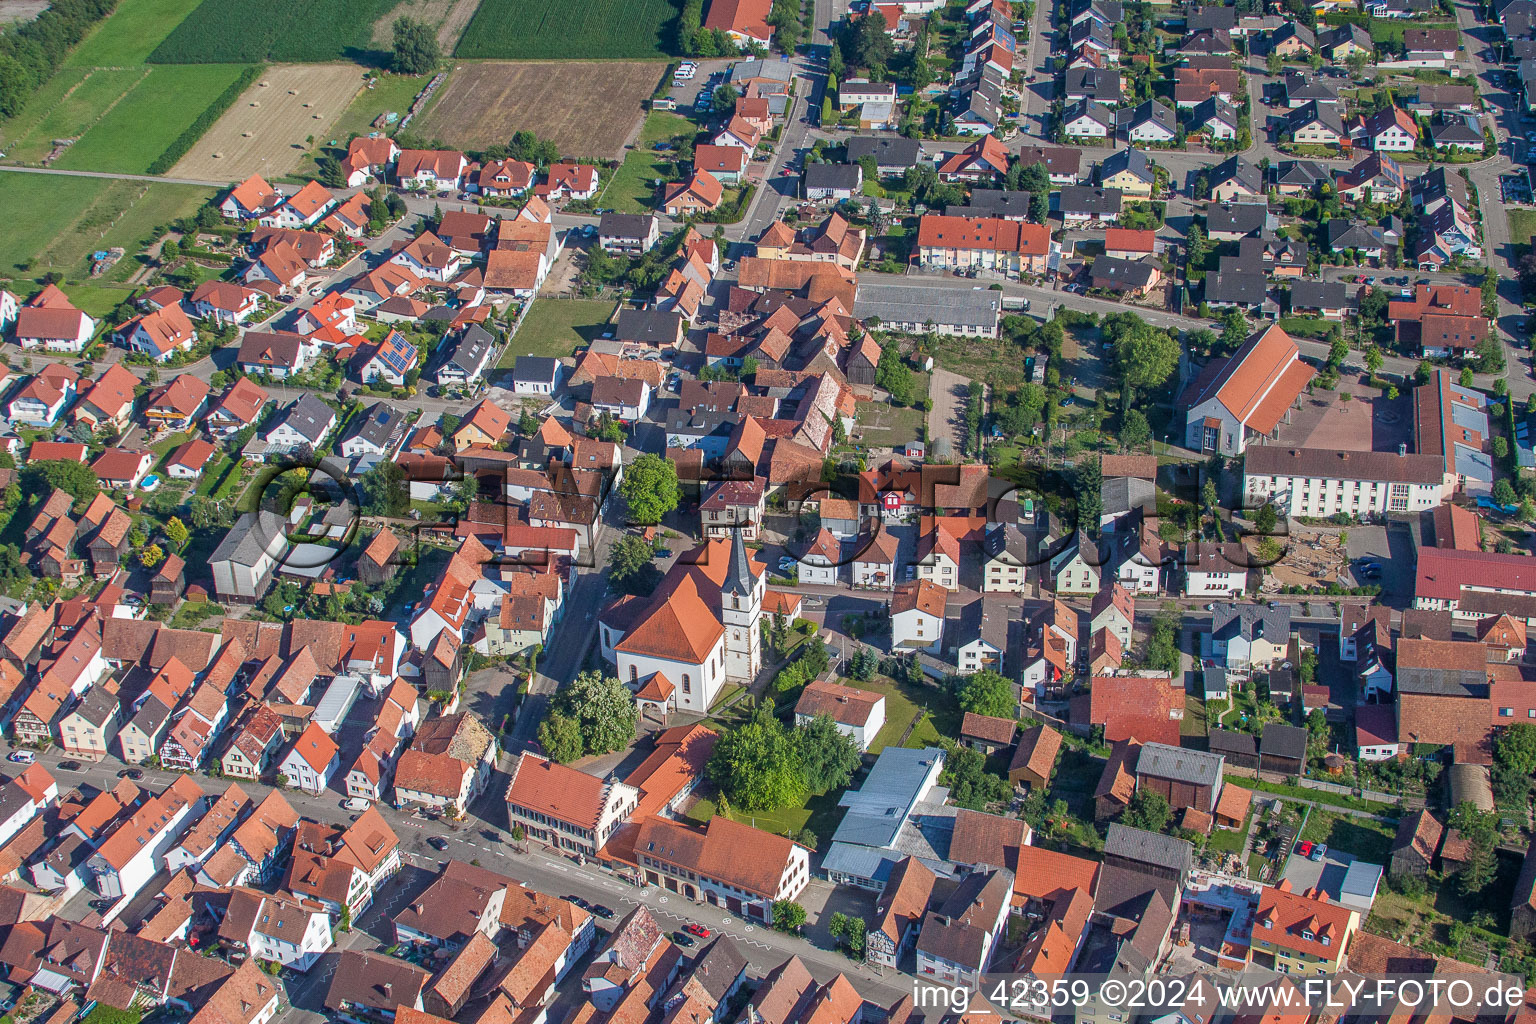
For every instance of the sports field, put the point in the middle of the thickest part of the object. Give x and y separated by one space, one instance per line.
587 108
265 132
231 32
56 222
571 30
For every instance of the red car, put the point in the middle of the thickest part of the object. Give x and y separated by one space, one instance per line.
1304 848
696 929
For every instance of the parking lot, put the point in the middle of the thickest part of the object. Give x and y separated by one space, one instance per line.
1515 188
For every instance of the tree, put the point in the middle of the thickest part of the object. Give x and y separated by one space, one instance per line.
1317 735
1466 380
724 98
1145 356
987 693
176 532
1500 447
650 488
1266 519
1162 646
151 555
1135 431
757 764
1146 810
1503 492
1234 329
1481 830
385 490
604 711
1356 62
560 736
828 757
75 478
788 916
892 375
631 566
416 51
849 931
970 784
1273 62
1373 360
1090 493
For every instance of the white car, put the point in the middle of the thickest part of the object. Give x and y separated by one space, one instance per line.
22 757
356 803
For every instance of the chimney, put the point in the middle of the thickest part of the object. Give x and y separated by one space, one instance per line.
389 989
1402 448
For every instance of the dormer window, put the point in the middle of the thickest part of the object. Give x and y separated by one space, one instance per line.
1306 935
1268 923
1327 941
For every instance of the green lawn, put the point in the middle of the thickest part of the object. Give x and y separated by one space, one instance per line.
902 704
50 117
554 327
392 92
134 28
57 222
1229 840
1522 226
1367 839
633 187
143 124
880 423
820 814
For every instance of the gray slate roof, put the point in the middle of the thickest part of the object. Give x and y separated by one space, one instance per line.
1196 767
310 417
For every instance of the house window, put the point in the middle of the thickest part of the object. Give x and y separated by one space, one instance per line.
687 683
634 674
1506 712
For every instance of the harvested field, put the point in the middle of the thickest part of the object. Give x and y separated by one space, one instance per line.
448 16
265 131
588 108
14 12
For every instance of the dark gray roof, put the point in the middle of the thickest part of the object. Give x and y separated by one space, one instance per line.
472 348
380 426
652 326
1094 83
888 150
836 176
1456 131
1239 170
718 967
1238 217
247 541
97 706
1239 288
1354 234
1326 114
1151 110
1150 848
1088 108
1308 87
1215 109
1284 741
1229 742
996 202
1310 294
1196 767
1443 682
1111 11
1087 199
1129 159
958 931
1300 172
625 225
1211 17
310 417
540 369
1251 621
903 303
1117 274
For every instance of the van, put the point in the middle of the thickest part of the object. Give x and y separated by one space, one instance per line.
356 803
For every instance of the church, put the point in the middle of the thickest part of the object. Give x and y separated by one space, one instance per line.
677 647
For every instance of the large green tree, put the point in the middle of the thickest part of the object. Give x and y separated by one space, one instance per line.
828 757
416 51
76 478
560 736
987 693
649 488
603 709
757 765
1145 357
631 565
385 490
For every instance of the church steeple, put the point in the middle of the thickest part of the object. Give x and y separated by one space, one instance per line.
738 577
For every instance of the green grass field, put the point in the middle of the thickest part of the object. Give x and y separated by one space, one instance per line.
57 222
633 187
225 32
570 29
1522 226
554 327
90 94
127 138
134 29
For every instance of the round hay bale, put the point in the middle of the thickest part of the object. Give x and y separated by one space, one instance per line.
218 156
245 135
261 85
308 105
293 92
255 103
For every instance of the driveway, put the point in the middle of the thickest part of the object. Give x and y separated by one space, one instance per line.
1392 548
949 392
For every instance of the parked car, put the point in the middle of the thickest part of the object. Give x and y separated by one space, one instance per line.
684 939
696 929
606 913
1319 851
578 901
22 757
437 842
355 803
131 773
70 766
1304 848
